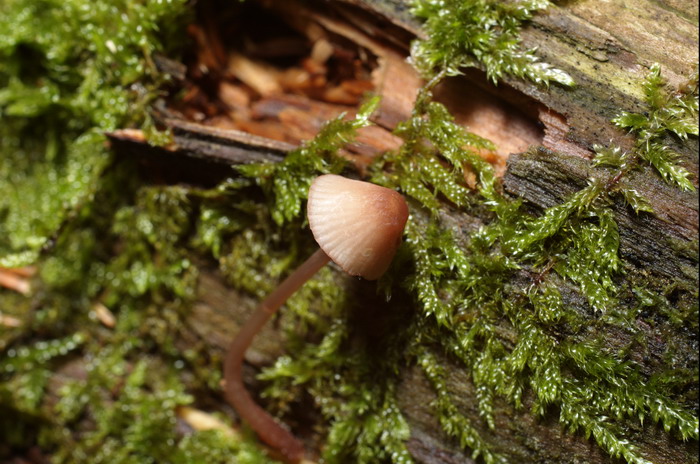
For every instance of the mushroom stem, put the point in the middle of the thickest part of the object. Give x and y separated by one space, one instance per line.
259 420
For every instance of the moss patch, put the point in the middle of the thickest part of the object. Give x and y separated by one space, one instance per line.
489 299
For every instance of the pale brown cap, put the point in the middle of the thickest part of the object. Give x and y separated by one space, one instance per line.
357 224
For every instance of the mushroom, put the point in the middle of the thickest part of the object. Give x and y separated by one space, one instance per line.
359 226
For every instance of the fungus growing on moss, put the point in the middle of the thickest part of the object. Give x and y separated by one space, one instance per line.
358 225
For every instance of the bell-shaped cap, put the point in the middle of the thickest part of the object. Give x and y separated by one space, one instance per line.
357 224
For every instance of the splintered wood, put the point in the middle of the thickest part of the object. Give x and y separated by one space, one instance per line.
17 279
284 79
279 81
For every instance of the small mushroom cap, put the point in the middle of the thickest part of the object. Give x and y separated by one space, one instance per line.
357 224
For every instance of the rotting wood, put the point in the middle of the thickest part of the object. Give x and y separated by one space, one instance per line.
651 241
584 38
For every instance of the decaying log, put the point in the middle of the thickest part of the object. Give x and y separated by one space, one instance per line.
608 48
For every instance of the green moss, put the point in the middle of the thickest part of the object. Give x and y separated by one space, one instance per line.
466 294
133 376
488 300
669 113
452 421
212 446
576 240
68 72
483 33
